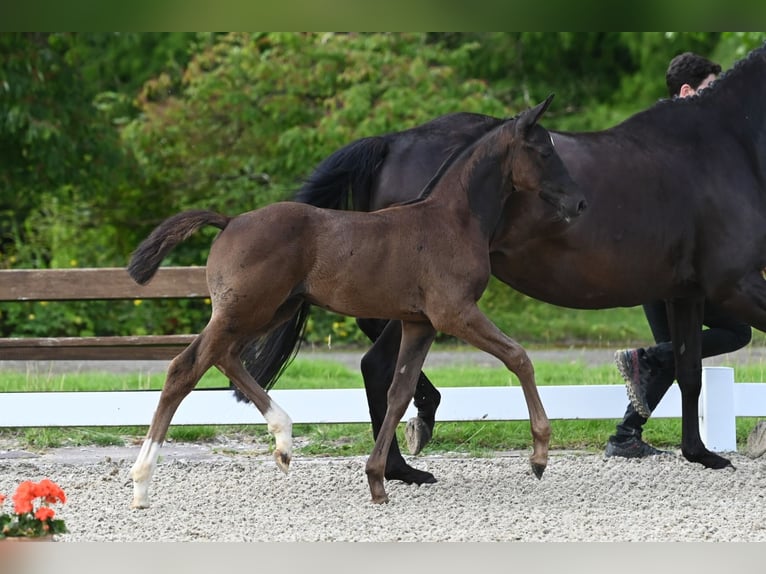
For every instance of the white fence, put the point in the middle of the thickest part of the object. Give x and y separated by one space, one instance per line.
721 401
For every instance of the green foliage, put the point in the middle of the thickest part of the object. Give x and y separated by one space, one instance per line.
256 111
103 318
102 135
64 174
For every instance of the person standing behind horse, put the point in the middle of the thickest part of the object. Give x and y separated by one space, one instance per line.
649 372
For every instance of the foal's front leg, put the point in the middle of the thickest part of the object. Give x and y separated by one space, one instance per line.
416 340
472 326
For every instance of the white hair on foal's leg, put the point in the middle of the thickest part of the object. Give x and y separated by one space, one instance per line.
142 472
281 426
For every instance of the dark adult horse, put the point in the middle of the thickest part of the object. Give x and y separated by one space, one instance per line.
677 197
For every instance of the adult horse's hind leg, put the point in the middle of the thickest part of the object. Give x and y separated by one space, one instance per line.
685 321
416 340
471 325
183 374
377 365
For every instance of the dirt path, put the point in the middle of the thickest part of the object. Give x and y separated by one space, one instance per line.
589 356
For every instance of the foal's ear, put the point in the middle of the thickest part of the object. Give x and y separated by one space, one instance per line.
530 117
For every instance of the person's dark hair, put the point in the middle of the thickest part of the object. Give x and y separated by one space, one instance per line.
688 68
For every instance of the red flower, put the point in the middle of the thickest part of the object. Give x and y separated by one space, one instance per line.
45 513
33 515
51 491
22 499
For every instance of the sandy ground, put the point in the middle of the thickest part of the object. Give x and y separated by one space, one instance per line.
230 491
210 493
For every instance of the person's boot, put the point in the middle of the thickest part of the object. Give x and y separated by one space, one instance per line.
631 447
648 374
627 441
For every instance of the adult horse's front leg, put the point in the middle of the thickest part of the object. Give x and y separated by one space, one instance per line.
475 328
685 321
378 366
415 342
381 357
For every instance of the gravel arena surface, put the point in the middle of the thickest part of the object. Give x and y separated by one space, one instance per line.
199 494
229 490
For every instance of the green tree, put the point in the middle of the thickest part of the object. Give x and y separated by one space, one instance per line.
257 111
64 175
104 134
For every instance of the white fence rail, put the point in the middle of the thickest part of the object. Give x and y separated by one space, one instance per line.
721 401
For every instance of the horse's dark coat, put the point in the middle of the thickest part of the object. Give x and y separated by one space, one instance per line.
677 211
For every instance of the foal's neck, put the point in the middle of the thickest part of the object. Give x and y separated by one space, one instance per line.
475 187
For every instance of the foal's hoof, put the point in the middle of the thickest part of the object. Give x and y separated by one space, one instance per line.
283 460
538 469
417 434
380 499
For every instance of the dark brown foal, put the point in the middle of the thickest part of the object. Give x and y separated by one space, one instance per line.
425 263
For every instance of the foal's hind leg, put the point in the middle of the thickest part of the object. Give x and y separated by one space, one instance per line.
183 374
416 340
279 423
475 328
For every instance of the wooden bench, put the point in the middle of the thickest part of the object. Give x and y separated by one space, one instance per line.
109 283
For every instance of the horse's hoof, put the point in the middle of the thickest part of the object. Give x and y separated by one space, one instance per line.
283 460
417 434
409 475
756 440
710 460
538 469
380 499
138 505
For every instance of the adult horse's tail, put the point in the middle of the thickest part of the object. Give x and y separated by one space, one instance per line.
343 180
149 254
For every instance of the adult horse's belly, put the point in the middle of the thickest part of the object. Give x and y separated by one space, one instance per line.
582 278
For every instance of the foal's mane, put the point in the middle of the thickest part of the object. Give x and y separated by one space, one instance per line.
454 153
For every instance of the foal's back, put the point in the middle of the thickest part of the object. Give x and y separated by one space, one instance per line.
386 264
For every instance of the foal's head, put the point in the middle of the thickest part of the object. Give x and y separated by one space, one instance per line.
535 166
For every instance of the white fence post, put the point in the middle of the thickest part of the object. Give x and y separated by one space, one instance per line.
718 427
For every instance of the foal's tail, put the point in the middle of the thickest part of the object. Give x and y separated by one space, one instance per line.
343 180
267 357
147 257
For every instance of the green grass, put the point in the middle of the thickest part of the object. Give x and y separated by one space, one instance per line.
477 438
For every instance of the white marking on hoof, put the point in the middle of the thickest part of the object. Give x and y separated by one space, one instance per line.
281 426
142 472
